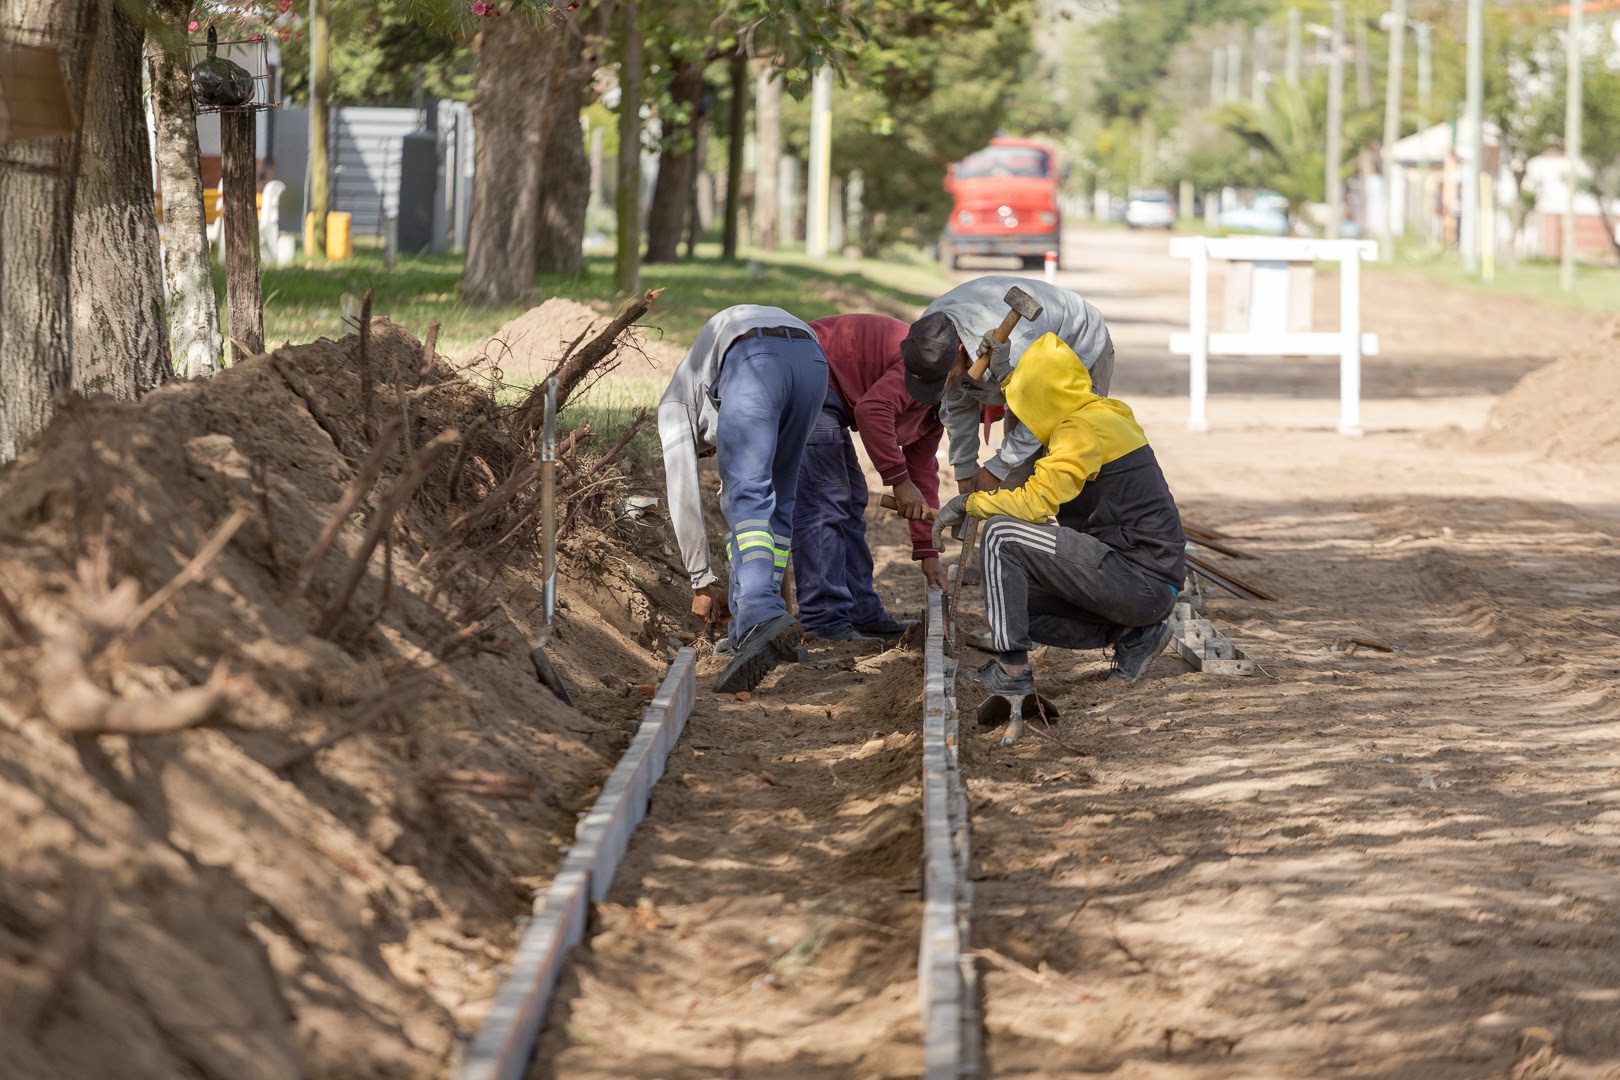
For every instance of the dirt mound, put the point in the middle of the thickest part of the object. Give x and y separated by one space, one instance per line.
318 874
1568 410
527 348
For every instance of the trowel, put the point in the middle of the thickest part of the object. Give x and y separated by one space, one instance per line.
544 670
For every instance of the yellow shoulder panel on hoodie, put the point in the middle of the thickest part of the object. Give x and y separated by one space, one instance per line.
1050 392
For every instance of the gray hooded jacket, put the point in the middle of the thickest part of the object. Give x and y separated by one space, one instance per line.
975 308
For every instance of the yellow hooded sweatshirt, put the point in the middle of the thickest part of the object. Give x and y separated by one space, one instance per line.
1050 392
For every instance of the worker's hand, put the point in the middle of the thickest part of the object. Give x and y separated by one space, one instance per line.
934 574
1000 357
709 604
949 516
985 480
909 501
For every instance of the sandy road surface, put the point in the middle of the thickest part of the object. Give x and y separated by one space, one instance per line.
1372 864
1361 864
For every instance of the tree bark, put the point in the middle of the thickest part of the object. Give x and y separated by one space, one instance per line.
36 220
767 157
243 285
320 93
734 156
565 185
510 109
120 337
677 159
627 264
193 307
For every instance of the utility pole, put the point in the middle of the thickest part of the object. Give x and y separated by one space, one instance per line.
320 91
1260 76
1333 179
1217 76
1572 141
1291 62
1425 72
1234 71
1473 132
1392 121
816 213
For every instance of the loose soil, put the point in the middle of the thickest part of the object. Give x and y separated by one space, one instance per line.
183 904
1355 863
525 350
1568 410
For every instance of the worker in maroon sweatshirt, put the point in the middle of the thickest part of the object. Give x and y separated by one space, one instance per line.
832 565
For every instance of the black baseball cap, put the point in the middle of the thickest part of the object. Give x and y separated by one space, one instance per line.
929 352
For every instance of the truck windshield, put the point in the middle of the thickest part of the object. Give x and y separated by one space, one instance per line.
1003 161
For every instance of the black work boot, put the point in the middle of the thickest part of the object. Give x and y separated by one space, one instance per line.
887 627
760 650
1135 650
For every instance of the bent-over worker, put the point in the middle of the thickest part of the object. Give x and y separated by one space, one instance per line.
832 564
1107 573
749 390
949 334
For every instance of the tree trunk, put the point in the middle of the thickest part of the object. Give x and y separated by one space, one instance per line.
734 155
510 107
677 160
36 221
1604 198
767 157
193 307
627 264
120 338
694 217
320 93
565 184
243 279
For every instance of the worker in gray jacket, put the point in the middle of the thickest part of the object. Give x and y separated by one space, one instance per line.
947 336
749 390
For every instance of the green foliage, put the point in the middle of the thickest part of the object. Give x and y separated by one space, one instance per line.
377 48
1221 160
1137 43
934 82
1290 136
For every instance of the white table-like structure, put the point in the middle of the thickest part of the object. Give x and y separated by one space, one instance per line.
1274 304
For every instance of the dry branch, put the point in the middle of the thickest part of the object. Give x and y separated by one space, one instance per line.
13 618
382 520
1228 581
71 700
577 364
430 352
315 411
368 391
350 499
191 571
624 440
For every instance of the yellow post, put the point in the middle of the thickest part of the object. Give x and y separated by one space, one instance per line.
1487 228
338 245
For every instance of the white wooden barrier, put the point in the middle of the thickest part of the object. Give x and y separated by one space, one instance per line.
1268 333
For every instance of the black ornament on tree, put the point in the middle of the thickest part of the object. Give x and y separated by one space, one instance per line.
217 83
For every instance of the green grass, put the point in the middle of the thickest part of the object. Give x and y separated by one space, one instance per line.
1597 288
301 302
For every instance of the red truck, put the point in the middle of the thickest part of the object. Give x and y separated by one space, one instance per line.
1006 203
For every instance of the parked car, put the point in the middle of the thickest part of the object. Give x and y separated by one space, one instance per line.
1267 214
1005 203
1151 210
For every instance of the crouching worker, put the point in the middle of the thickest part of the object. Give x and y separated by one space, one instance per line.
832 564
1106 574
749 391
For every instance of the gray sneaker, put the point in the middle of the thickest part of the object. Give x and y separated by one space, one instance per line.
994 678
1134 651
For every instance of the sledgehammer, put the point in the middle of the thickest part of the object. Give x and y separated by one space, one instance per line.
1023 306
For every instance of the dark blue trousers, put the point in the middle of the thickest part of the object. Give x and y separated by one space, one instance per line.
832 565
769 391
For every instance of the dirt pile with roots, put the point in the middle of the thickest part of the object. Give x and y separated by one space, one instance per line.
1568 410
276 815
525 348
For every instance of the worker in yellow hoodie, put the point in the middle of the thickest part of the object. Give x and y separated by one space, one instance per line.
1107 571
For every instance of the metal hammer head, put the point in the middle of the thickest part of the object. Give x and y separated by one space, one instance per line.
1023 303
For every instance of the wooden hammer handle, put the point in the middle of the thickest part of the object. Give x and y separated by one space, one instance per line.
1001 334
888 503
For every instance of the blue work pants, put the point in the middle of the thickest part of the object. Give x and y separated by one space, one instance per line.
768 394
832 564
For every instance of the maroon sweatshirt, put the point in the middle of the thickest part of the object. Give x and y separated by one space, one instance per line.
900 433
